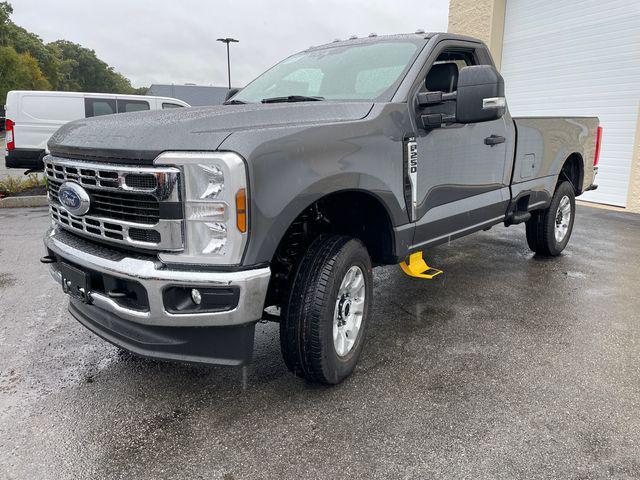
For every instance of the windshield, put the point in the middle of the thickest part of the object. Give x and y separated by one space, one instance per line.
352 72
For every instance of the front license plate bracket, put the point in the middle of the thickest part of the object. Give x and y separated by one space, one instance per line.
76 282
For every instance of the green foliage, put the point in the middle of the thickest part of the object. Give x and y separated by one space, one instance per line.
60 65
13 185
20 71
5 12
84 71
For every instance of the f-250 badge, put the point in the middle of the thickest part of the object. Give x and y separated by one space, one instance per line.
412 171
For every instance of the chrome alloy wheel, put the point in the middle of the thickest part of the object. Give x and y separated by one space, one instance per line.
349 310
563 218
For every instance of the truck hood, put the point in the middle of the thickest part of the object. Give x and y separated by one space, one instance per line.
142 136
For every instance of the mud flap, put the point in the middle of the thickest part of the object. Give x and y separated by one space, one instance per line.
418 268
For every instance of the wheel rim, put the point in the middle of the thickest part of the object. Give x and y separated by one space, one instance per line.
349 311
563 218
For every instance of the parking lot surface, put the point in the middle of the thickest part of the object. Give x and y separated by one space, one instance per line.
4 171
506 366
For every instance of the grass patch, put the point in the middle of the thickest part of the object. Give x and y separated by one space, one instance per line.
12 186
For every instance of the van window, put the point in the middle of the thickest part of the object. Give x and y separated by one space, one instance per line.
132 105
170 105
94 107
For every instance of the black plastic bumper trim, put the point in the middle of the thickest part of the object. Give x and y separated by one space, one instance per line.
229 345
27 158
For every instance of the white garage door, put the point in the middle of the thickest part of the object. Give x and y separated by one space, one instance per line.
579 57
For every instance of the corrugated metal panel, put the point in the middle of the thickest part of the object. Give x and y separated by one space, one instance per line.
579 57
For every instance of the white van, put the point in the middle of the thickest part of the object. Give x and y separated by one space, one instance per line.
33 116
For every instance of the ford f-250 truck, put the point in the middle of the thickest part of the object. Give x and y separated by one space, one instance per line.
174 232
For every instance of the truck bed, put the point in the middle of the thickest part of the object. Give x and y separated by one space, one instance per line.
543 144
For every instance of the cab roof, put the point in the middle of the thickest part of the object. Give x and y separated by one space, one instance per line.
414 37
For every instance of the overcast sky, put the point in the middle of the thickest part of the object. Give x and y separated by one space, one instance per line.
173 41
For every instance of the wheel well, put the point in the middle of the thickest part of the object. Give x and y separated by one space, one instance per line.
573 171
354 213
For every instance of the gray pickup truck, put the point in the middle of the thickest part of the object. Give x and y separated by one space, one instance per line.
174 232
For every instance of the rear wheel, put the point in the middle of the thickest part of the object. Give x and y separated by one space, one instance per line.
323 323
548 231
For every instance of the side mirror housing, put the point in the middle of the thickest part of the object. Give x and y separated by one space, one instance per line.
480 96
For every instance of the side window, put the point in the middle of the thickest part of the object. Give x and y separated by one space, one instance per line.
132 105
443 75
94 107
166 105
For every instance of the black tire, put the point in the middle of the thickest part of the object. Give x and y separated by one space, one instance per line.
307 324
541 226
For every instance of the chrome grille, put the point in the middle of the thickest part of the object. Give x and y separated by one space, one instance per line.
132 207
143 182
125 202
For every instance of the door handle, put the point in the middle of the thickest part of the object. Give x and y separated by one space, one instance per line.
494 140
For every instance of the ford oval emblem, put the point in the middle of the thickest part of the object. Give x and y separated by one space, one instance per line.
74 198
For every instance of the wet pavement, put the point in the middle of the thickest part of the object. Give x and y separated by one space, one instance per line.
507 366
4 171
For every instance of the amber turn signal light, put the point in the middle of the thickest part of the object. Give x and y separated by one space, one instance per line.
241 210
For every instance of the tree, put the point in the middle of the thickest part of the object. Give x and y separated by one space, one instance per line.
84 71
5 12
19 71
65 65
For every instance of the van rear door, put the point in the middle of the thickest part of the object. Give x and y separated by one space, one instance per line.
39 114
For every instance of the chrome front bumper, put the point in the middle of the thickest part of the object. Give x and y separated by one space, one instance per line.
155 277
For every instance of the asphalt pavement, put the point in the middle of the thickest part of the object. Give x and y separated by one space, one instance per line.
506 366
4 171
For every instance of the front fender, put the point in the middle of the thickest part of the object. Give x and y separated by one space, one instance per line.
290 168
272 219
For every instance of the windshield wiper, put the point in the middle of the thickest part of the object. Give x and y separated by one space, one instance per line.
292 98
234 102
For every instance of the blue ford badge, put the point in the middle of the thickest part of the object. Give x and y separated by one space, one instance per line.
74 198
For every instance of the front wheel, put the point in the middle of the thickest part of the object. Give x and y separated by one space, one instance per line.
548 231
323 323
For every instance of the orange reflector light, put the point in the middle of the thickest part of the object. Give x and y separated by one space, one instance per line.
241 210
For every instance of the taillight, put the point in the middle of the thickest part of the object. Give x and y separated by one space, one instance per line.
598 142
11 143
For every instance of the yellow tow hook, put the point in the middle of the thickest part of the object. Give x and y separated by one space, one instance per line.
418 268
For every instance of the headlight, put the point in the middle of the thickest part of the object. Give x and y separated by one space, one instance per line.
215 207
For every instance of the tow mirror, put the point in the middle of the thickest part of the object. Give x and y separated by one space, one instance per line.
480 95
436 108
427 99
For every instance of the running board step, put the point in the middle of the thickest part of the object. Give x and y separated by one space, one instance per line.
418 268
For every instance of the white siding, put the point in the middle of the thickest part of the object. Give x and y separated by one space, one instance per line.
579 57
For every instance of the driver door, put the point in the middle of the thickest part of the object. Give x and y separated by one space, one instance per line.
462 181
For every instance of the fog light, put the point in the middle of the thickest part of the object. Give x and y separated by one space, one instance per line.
196 296
182 300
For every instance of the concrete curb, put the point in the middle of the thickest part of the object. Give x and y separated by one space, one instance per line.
26 201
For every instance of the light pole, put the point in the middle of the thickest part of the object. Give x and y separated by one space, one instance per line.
228 40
